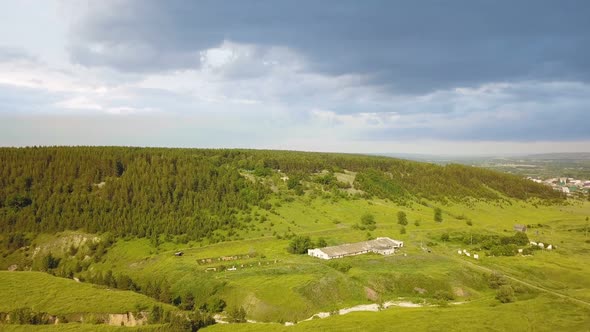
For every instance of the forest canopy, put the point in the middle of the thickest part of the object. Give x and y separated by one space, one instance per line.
147 191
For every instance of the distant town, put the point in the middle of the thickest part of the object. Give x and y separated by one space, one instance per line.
569 186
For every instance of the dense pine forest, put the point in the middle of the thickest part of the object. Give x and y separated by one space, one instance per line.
144 192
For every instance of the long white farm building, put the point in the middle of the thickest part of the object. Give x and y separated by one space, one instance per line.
380 245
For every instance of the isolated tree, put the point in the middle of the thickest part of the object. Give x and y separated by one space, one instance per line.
214 304
505 294
188 301
237 315
438 215
19 201
156 314
119 168
109 279
49 262
299 245
496 280
321 243
21 316
124 282
520 238
368 222
402 219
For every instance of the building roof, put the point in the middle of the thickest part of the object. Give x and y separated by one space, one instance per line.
380 243
519 227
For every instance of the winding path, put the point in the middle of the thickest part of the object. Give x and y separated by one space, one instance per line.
528 284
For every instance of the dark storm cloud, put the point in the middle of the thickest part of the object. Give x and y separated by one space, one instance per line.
410 46
569 124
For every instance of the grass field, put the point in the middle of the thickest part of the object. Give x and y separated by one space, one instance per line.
275 286
288 287
541 314
57 296
76 327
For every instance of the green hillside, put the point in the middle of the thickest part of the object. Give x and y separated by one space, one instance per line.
58 296
115 217
190 192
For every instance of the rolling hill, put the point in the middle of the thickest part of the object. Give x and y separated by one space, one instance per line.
116 216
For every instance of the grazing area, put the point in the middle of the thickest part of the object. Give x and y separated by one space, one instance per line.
42 292
183 238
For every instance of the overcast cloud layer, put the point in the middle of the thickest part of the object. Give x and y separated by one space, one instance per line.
457 77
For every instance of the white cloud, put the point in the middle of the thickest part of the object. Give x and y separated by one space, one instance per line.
79 103
254 96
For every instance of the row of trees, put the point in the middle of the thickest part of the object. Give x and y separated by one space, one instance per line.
123 191
299 244
495 245
406 179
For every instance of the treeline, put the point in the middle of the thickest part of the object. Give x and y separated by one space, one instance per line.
493 244
405 179
148 192
124 191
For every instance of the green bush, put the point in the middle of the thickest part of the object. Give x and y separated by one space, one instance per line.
505 294
340 266
438 215
299 245
367 222
402 219
444 295
496 280
237 315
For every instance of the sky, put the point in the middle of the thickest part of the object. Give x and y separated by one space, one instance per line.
462 77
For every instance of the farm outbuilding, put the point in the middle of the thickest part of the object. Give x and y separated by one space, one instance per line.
520 228
381 245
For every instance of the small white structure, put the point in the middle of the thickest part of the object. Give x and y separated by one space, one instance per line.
464 251
541 245
533 243
476 256
459 252
549 247
233 268
284 178
520 251
468 254
380 245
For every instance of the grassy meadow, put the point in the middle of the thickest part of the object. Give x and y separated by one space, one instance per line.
59 296
275 286
248 265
